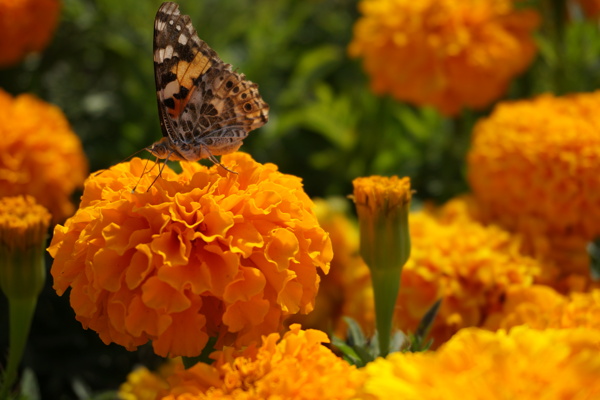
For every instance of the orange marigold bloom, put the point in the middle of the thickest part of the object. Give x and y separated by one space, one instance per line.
476 364
468 265
448 54
202 253
39 154
26 26
541 307
296 366
540 159
534 167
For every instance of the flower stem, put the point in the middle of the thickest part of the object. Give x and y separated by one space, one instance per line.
20 316
387 285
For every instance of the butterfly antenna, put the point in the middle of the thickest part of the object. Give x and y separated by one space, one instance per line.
123 160
142 175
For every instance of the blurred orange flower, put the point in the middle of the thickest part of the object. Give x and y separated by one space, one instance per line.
202 253
534 168
39 154
524 364
332 215
449 54
296 366
591 8
26 26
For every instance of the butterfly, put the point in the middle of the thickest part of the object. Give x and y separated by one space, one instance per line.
205 108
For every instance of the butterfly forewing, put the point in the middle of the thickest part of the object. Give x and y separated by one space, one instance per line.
205 107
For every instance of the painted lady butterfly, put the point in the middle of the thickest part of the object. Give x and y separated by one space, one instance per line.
205 108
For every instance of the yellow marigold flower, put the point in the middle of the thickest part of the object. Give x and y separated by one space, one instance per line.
39 154
202 253
475 364
541 307
142 384
296 366
468 265
26 26
540 160
448 54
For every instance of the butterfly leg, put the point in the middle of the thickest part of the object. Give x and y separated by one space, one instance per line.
214 159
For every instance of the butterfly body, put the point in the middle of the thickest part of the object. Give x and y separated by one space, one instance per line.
205 108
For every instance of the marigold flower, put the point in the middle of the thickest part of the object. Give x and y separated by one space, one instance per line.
295 366
382 205
477 364
448 54
39 154
468 265
540 159
541 307
534 168
27 26
202 253
23 230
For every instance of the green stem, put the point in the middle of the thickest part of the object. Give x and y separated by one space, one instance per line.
20 316
386 285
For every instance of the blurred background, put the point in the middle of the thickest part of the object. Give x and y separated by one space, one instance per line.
326 125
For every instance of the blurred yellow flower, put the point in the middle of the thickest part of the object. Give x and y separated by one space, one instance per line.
26 26
541 307
202 253
296 366
449 54
39 154
525 364
468 265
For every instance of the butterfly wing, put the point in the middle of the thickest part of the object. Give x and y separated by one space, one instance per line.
201 101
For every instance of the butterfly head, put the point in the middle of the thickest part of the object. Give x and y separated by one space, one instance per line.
161 149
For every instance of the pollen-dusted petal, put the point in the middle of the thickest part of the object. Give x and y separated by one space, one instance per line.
188 256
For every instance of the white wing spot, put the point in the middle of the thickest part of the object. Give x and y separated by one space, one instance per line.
178 27
168 52
182 39
171 22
